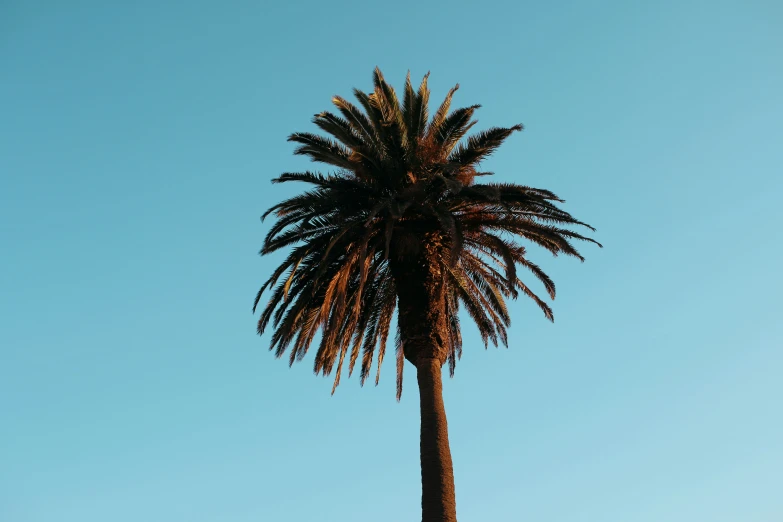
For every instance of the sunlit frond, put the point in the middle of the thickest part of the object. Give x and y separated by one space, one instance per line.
402 209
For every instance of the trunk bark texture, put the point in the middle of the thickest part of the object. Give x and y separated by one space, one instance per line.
438 501
421 290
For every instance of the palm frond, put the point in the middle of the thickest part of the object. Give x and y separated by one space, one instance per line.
481 145
322 149
402 195
440 115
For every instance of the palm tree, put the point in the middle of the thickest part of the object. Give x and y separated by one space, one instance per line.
402 224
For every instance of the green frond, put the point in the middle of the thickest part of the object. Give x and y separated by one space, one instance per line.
440 115
541 304
502 249
473 306
360 123
481 145
339 128
540 275
408 101
454 128
385 99
420 113
322 149
415 111
374 116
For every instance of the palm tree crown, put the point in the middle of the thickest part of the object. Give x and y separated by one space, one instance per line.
402 222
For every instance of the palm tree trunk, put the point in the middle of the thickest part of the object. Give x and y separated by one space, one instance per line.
438 502
421 291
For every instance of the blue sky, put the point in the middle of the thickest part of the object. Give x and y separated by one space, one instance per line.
137 141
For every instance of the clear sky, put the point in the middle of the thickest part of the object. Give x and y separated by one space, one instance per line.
137 141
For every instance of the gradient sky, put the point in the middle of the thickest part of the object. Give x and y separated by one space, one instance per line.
137 141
